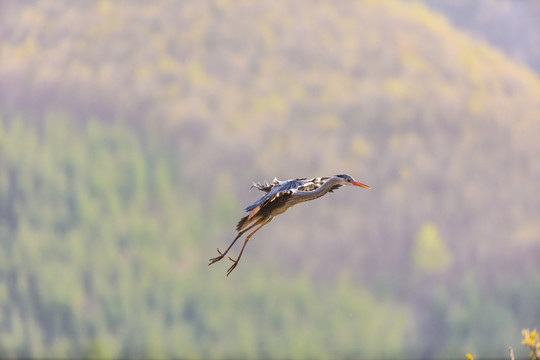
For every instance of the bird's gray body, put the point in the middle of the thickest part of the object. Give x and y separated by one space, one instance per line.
280 196
287 188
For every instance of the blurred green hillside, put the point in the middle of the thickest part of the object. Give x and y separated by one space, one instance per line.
130 133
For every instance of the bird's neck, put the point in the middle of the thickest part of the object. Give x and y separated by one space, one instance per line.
320 191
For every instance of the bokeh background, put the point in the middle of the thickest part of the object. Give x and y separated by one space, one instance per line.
131 131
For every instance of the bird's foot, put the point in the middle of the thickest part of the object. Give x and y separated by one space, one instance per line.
216 259
235 262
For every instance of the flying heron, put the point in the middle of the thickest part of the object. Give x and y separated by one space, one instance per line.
280 196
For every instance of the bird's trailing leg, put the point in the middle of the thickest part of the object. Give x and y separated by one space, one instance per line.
222 255
235 262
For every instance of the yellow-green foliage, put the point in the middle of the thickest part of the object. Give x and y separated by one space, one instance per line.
431 255
109 212
531 340
103 262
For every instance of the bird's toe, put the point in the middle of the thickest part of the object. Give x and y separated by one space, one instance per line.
216 259
232 268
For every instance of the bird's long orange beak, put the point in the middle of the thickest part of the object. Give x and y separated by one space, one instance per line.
356 183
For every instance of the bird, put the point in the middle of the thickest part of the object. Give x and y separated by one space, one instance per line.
281 196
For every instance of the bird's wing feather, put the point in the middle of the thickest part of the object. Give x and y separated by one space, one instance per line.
334 188
277 189
266 187
282 189
315 183
312 184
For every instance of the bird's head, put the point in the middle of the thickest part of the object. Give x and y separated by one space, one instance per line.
348 180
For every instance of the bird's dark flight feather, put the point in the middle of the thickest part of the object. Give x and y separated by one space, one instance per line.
241 223
280 196
277 189
334 188
282 188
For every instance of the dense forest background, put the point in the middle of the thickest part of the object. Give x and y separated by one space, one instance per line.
130 133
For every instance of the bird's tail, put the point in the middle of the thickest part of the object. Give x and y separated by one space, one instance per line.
242 223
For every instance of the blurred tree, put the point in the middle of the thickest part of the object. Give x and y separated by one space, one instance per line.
430 253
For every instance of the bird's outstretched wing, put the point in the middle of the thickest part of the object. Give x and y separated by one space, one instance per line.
275 190
315 183
266 187
279 190
284 188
